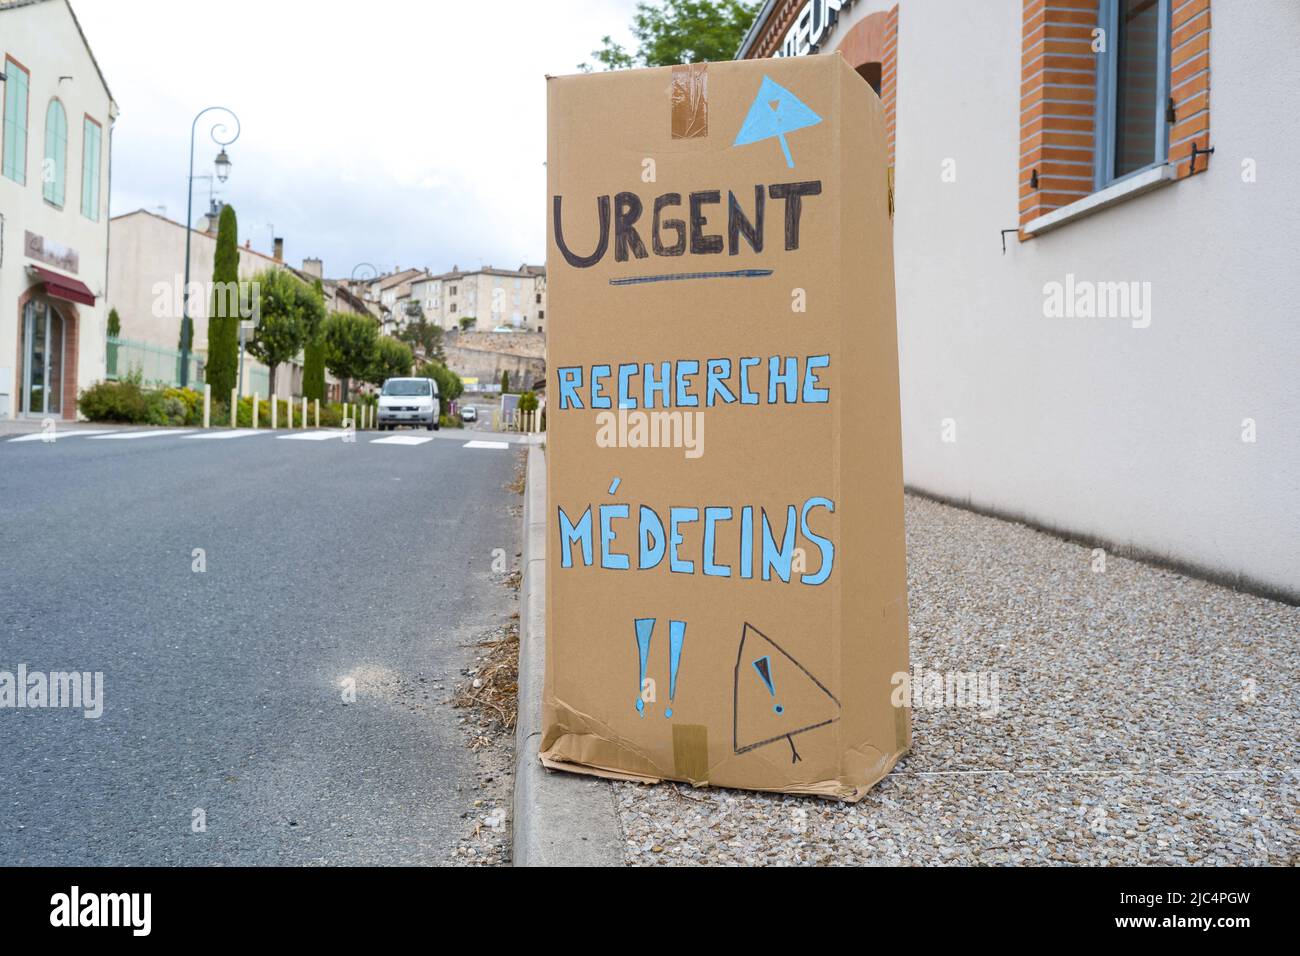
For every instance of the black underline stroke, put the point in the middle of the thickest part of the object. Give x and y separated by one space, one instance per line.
683 276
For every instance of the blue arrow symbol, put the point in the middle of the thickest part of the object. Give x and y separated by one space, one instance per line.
775 112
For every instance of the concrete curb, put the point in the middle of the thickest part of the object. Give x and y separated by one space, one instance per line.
560 819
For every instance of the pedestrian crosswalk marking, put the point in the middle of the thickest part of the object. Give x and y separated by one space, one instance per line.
54 435
400 440
232 433
101 434
149 434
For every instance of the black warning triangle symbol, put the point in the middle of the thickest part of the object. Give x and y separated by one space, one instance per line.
775 697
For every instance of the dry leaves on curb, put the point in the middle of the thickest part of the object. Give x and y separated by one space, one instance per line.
490 689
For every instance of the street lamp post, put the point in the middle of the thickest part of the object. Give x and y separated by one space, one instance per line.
245 326
222 166
357 268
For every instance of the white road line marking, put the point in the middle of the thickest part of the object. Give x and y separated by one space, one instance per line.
486 444
310 436
159 433
41 436
228 433
400 440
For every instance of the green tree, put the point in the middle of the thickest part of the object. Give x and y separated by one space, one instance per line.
680 31
222 370
450 387
313 353
392 358
425 336
350 342
505 382
467 322
290 312
114 324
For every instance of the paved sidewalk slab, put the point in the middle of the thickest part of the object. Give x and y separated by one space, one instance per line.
560 819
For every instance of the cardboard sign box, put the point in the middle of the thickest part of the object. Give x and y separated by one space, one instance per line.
726 583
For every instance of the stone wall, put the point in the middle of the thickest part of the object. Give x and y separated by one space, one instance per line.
485 355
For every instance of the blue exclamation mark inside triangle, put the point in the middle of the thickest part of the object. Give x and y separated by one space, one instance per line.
764 667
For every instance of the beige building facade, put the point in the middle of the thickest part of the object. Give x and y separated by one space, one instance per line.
56 141
513 299
146 287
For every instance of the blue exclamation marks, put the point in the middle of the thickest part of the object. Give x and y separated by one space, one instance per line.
764 667
645 627
676 637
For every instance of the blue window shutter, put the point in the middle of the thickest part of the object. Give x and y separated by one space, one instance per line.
90 171
54 169
15 123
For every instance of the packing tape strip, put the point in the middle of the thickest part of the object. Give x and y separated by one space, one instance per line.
902 729
690 101
691 752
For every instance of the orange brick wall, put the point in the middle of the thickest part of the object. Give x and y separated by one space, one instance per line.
874 39
71 351
1189 83
774 30
889 77
1058 88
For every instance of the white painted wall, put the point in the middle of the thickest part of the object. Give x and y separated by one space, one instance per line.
146 271
1089 425
44 38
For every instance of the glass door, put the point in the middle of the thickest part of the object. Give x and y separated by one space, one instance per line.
42 392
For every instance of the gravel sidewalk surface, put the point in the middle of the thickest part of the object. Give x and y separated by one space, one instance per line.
1143 717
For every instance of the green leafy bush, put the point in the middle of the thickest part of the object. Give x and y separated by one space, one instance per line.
191 401
122 401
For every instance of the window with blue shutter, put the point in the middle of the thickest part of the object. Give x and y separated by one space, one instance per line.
54 171
90 163
15 121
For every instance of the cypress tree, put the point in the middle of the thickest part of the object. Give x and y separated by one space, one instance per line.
223 317
313 356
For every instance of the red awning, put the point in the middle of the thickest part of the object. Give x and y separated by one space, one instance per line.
61 287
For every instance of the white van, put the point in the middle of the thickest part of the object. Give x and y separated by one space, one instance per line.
408 401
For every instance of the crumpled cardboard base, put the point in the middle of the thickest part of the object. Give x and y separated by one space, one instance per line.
603 772
562 756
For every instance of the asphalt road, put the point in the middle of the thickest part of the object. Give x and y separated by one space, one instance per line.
224 689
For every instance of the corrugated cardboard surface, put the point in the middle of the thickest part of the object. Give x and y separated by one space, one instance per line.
779 685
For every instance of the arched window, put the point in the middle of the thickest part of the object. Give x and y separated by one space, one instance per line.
55 168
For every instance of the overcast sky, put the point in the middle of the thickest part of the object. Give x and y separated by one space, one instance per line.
386 131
